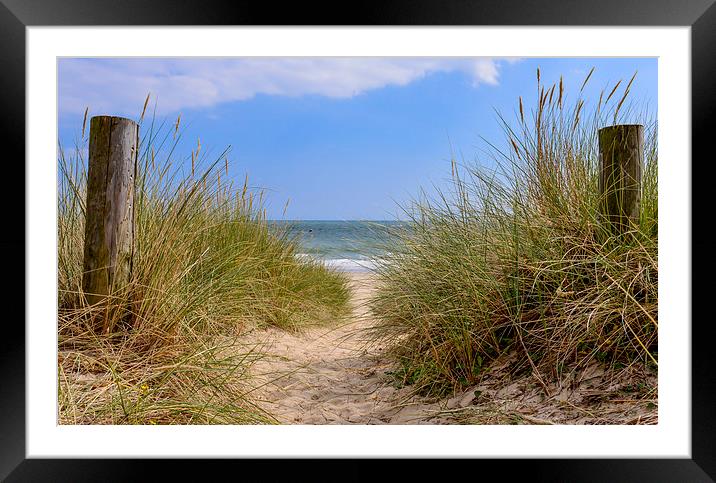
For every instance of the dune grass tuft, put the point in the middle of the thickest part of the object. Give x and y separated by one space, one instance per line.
516 257
166 348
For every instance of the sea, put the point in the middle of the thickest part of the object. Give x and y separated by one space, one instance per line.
349 246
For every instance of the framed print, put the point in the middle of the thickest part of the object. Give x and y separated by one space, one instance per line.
424 230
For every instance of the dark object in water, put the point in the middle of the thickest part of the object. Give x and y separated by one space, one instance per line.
310 230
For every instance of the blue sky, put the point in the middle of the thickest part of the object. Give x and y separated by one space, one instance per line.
342 138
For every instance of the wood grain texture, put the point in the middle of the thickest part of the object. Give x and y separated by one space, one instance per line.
109 224
621 157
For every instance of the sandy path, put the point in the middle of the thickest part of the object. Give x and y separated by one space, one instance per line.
326 376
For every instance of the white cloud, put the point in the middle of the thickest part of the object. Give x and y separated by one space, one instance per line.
121 85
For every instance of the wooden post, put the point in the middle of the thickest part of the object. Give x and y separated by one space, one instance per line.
109 220
621 153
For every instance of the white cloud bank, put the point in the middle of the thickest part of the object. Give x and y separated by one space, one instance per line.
121 85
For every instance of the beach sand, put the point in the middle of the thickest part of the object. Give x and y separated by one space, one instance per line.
328 375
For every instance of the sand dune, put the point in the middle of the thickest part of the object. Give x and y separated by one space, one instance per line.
329 375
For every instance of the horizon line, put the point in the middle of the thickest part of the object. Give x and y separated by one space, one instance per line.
331 219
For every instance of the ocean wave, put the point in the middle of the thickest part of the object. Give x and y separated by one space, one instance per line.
343 264
351 265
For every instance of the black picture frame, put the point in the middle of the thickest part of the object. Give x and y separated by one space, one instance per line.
16 15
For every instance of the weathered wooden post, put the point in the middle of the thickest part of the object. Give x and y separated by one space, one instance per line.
621 153
109 220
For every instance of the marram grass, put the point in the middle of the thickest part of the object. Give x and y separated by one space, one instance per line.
166 348
518 258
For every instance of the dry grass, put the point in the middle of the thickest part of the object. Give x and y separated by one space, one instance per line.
518 258
594 395
165 348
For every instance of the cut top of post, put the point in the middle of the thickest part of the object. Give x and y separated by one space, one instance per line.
113 118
